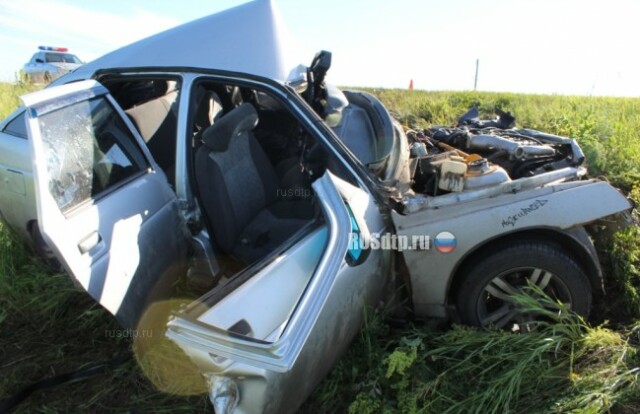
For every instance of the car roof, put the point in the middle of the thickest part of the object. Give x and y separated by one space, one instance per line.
249 38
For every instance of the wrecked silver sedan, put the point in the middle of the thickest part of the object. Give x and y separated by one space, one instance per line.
292 205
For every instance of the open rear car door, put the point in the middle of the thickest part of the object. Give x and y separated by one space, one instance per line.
104 206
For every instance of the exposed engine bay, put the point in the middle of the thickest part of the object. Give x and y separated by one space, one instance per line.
474 159
481 153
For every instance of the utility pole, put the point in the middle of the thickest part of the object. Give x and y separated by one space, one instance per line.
475 82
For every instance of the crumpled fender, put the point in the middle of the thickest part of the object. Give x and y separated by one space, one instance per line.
559 206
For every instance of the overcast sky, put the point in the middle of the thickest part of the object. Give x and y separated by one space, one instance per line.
580 47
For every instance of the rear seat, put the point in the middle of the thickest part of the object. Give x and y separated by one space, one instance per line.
157 122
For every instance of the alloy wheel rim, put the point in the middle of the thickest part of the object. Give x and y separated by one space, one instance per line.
496 307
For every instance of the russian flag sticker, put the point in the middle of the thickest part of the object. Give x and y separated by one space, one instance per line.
445 242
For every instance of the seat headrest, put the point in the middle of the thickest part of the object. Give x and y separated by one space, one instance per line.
215 108
242 119
208 110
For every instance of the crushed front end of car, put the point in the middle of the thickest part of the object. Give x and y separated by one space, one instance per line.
491 185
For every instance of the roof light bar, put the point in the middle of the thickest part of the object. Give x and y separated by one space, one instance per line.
53 49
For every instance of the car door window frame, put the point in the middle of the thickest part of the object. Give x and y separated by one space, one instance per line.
100 91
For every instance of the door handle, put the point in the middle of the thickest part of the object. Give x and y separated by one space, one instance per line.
89 242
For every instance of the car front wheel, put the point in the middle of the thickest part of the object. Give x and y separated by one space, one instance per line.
484 297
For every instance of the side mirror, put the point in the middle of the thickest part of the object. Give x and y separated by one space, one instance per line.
315 80
39 61
320 65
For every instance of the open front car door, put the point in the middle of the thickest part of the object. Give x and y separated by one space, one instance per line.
265 343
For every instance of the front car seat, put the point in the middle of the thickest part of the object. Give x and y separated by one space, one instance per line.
238 189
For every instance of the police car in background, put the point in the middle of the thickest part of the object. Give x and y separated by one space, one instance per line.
49 63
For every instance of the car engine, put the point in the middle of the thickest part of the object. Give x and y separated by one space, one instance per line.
482 153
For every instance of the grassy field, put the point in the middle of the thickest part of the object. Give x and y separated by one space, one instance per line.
47 327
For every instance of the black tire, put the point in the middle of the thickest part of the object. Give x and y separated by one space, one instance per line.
482 297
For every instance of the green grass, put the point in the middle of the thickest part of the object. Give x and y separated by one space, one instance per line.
47 326
564 366
10 96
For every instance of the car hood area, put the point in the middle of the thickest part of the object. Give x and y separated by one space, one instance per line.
249 38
